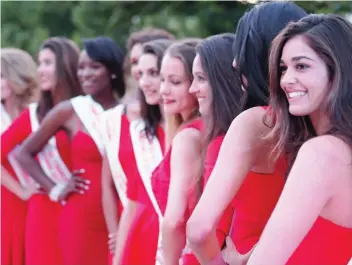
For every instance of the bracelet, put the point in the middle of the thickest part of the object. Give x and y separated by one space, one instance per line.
55 192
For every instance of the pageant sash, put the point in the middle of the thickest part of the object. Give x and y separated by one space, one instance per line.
88 111
48 158
5 119
111 132
148 154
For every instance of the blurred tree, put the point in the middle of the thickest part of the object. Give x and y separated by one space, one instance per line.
26 24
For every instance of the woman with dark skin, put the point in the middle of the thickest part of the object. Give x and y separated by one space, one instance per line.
82 227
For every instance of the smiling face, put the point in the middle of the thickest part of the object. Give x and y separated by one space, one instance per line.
174 87
149 78
201 87
47 70
304 77
93 76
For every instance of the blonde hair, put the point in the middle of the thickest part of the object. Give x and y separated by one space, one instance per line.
185 50
20 70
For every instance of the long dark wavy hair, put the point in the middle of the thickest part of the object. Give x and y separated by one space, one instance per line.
255 31
68 86
215 54
330 36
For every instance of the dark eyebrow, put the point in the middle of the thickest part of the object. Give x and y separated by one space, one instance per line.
297 58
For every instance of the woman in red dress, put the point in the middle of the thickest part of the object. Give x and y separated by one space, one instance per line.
120 129
58 59
19 87
82 229
175 181
244 175
218 93
311 110
129 248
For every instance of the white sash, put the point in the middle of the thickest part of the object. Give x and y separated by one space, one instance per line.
148 154
350 262
111 132
5 119
48 158
88 111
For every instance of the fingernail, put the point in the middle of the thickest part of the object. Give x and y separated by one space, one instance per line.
82 170
86 187
81 192
87 181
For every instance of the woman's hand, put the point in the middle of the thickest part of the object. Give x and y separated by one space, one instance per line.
31 189
76 184
231 256
112 242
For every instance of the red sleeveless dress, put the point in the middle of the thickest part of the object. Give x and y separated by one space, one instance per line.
29 236
142 239
161 182
82 230
254 203
225 222
325 244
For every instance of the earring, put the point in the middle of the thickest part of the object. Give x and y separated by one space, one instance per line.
113 76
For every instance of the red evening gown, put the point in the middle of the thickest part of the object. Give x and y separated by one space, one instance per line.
142 239
325 244
38 233
82 230
225 222
161 182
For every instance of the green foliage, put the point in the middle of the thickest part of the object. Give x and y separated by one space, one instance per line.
27 24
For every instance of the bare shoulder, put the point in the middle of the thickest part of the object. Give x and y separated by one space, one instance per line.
64 108
187 140
133 110
327 148
187 135
251 121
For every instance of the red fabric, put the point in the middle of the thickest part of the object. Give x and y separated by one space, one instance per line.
224 225
254 204
161 183
325 244
35 230
13 209
145 226
82 230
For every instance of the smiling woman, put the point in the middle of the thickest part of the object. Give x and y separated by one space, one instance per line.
101 76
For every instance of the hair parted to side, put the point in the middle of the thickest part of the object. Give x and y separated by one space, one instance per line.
215 55
148 34
251 48
151 114
184 50
330 36
67 53
20 69
104 50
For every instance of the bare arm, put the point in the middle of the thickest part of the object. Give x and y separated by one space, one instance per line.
108 197
128 215
52 123
185 165
309 186
237 156
14 186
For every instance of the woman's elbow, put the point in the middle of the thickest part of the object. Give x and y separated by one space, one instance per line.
198 231
20 154
170 226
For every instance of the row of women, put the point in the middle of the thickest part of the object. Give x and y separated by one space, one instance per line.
237 149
